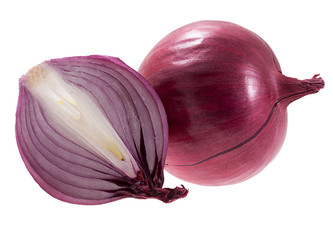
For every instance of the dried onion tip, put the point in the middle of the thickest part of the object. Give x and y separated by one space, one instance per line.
91 130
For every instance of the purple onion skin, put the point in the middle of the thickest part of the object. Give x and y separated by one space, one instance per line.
72 173
225 97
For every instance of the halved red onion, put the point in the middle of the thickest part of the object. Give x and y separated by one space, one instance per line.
225 98
91 130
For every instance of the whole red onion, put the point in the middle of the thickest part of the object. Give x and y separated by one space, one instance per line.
225 98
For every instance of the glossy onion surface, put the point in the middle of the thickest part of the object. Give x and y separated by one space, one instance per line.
91 130
225 98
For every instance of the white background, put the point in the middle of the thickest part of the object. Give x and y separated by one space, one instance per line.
290 199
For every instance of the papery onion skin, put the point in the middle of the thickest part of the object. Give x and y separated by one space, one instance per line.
225 98
74 173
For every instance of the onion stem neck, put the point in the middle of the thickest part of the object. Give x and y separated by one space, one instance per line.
166 195
292 89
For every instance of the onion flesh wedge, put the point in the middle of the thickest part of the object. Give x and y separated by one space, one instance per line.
91 130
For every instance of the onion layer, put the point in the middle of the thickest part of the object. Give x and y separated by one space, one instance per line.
225 98
91 130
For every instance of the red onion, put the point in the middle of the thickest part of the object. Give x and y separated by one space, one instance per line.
225 98
91 130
